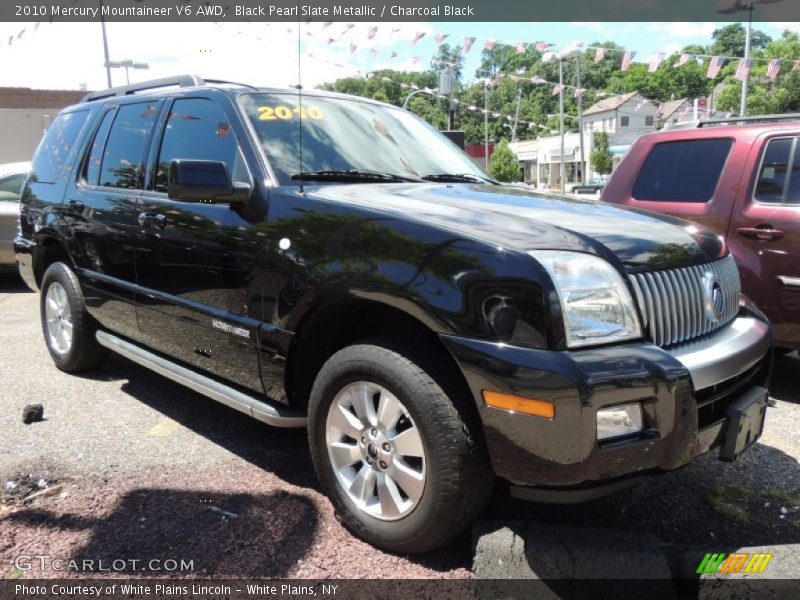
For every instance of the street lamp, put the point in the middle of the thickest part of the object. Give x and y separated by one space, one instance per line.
729 7
126 64
415 92
567 53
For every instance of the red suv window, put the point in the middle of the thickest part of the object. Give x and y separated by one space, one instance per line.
776 183
683 171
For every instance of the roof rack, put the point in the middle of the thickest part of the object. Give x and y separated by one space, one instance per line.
179 81
748 120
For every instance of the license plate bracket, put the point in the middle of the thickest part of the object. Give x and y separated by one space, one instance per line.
745 423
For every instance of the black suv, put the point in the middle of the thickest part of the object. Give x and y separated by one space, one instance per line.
313 258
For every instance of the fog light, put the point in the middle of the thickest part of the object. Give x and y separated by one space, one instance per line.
616 421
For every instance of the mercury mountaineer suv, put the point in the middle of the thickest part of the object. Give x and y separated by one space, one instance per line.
323 261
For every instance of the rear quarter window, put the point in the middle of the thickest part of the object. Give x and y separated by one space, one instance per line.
683 171
50 160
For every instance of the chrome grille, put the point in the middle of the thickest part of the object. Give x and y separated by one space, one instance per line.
673 302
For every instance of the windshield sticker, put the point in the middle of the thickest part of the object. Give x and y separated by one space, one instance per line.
285 113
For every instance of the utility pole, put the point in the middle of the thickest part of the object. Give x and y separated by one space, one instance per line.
486 122
451 115
516 116
580 117
745 81
562 172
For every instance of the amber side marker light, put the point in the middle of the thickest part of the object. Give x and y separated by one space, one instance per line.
528 406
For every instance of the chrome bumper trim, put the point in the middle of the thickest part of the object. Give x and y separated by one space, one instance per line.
725 354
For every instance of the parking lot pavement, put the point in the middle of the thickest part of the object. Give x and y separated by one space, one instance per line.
150 470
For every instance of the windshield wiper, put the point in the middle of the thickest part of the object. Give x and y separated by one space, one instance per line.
352 175
457 178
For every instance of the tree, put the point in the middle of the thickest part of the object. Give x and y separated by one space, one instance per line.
601 159
730 40
504 165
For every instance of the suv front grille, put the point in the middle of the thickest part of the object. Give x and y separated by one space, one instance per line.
673 302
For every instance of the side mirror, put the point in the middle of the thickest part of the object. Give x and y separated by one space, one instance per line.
204 181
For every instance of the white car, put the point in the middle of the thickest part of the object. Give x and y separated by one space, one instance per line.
12 176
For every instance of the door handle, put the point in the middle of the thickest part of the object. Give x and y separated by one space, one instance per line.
765 234
74 207
152 220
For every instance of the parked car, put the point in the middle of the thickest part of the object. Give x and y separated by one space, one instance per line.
12 176
430 327
742 181
593 186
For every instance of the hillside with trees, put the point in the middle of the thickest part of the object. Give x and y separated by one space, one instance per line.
539 105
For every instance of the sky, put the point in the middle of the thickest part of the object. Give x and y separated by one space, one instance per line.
70 55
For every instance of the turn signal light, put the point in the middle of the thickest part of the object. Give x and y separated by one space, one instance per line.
528 406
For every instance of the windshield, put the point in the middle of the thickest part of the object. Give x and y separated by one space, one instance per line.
350 135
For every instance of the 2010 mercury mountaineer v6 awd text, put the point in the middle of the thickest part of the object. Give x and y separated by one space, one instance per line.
332 262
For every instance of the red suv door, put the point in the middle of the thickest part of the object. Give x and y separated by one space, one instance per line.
764 234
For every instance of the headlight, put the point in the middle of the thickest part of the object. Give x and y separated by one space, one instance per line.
595 301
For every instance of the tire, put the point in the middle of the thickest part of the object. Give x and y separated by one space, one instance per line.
69 331
435 406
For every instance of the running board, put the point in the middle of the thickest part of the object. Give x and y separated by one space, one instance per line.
277 416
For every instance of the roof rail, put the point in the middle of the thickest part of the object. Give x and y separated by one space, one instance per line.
747 120
124 90
178 80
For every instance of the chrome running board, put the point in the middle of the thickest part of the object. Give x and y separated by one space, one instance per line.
277 416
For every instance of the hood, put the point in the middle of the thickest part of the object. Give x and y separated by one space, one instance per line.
520 219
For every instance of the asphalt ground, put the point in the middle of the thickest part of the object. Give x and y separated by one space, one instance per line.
136 467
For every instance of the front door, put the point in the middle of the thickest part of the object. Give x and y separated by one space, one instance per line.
765 235
197 288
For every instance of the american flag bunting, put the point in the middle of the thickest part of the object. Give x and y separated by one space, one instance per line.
521 46
682 60
655 62
468 41
743 70
773 68
490 44
599 55
714 65
627 59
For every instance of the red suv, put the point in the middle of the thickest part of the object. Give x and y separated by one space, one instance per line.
743 182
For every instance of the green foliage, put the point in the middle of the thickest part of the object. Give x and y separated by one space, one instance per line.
538 101
504 165
601 159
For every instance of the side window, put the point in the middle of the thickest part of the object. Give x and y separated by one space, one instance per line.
11 187
49 162
197 129
122 164
648 121
771 180
686 171
793 196
624 121
91 174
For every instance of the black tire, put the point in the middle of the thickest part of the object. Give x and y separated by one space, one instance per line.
83 353
458 480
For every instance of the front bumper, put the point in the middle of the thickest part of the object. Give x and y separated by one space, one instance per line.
684 393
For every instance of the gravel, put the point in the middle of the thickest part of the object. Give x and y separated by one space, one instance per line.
151 470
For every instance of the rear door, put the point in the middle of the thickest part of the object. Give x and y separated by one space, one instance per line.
765 233
102 205
199 291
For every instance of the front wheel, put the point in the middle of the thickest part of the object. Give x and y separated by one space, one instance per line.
402 460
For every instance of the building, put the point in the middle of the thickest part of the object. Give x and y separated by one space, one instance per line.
624 118
24 116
